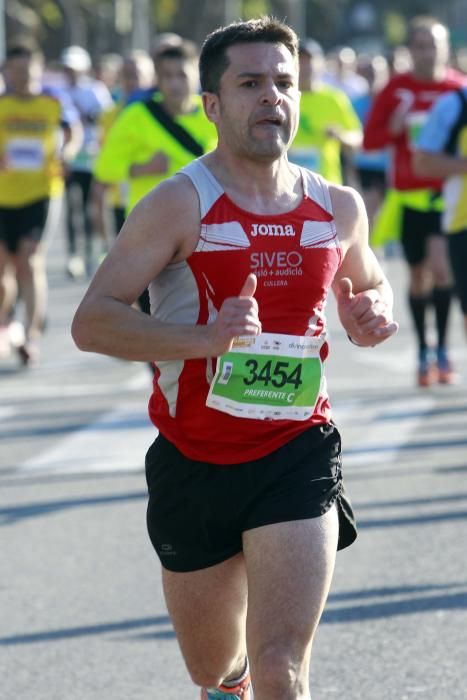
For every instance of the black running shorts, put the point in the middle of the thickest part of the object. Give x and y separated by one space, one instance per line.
372 179
27 221
198 511
417 227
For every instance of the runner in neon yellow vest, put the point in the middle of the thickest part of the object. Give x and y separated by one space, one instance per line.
138 149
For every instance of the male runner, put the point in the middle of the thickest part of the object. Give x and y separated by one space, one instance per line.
141 147
90 97
35 130
246 506
442 152
413 204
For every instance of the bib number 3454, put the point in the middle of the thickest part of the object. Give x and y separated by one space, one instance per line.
271 377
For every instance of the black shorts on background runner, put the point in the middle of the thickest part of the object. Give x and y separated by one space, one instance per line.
198 511
417 227
27 221
371 178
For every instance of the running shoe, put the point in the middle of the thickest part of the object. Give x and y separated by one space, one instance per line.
16 334
242 691
446 374
75 267
28 353
427 370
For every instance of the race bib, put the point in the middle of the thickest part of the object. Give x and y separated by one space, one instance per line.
25 154
415 123
270 376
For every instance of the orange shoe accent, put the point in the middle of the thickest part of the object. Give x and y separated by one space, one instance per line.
446 375
242 691
427 376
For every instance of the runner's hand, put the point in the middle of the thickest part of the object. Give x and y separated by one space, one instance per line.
237 316
366 318
158 164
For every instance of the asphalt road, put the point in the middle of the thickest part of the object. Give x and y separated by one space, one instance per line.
81 610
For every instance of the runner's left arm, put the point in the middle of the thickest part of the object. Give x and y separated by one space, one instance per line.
364 295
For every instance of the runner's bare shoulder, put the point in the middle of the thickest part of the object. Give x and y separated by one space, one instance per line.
170 212
349 215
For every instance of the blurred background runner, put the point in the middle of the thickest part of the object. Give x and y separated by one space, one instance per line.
156 136
90 97
37 133
442 152
413 205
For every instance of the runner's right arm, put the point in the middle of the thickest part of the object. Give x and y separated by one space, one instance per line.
163 228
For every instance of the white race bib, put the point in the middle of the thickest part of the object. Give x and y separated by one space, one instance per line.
25 154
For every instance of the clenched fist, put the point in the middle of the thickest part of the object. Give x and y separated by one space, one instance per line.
365 316
237 316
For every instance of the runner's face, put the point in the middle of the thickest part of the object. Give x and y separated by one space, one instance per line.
310 70
21 73
429 49
130 78
177 79
256 111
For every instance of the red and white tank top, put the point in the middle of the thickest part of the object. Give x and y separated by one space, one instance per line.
295 256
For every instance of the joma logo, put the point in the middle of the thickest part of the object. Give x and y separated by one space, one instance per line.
272 230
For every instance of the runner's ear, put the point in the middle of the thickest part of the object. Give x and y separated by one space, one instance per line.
249 286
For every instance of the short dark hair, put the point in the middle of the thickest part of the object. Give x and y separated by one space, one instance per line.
213 60
186 50
423 23
310 47
22 50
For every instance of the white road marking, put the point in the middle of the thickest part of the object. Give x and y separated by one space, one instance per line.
386 433
7 412
68 389
117 441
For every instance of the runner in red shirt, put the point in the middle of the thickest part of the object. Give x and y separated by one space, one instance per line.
413 206
240 251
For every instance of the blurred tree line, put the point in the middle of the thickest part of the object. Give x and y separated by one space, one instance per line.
104 26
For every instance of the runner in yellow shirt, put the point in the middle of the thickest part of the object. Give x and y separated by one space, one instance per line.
35 127
155 137
328 122
143 146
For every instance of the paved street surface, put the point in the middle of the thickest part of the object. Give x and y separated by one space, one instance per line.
81 608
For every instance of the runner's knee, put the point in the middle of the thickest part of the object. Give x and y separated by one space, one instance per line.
211 673
277 670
